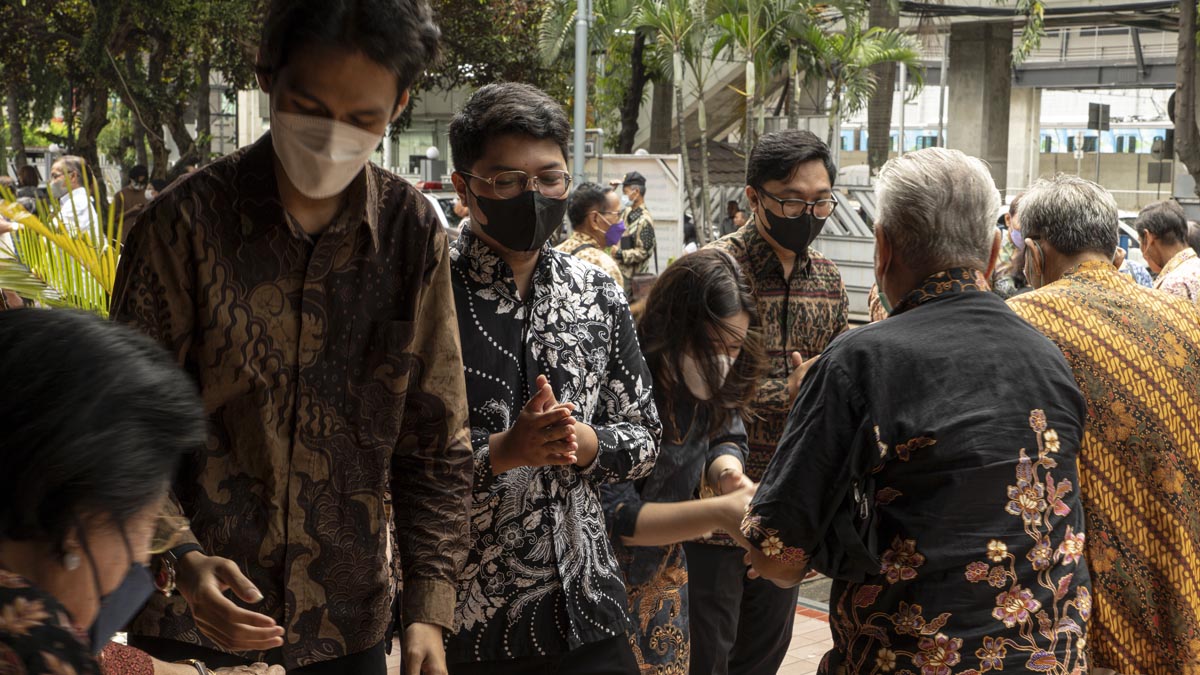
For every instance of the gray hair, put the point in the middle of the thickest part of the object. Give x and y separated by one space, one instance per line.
1073 214
74 164
938 208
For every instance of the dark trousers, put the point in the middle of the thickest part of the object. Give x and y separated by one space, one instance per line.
607 657
371 662
739 626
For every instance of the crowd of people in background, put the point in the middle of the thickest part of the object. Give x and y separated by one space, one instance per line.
315 425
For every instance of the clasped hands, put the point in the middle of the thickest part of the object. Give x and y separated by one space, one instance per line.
545 433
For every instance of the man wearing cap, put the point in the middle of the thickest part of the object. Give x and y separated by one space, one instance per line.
637 246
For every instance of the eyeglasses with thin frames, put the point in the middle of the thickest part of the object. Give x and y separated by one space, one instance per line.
794 208
508 184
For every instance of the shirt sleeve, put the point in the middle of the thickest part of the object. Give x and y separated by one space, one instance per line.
431 468
622 503
626 421
730 440
153 289
797 497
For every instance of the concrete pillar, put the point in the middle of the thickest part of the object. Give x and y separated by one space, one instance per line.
662 121
1024 138
980 81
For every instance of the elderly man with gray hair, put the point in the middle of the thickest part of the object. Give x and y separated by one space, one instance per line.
1136 356
928 465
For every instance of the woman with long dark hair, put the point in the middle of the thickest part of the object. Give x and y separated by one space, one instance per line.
698 334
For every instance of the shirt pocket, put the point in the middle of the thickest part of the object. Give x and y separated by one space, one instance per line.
381 364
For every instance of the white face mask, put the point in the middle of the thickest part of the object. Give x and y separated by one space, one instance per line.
319 155
693 376
626 202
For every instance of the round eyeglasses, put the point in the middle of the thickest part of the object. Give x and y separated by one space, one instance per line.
509 184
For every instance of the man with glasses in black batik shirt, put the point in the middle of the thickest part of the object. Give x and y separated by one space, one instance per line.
560 403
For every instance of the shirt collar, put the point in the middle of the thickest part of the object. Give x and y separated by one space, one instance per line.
1092 268
258 195
484 265
944 284
1177 261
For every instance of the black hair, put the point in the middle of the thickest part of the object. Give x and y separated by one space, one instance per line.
1194 236
138 173
687 305
776 156
29 176
586 198
159 184
1165 220
397 34
501 109
96 420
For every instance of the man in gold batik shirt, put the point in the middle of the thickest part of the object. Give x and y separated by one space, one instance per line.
1136 356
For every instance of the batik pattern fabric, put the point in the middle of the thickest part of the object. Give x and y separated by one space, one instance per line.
541 578
1136 357
586 249
801 313
1181 276
973 494
331 375
37 636
118 659
656 576
636 251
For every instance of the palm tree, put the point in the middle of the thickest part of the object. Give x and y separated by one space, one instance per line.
673 21
750 26
699 56
845 58
56 266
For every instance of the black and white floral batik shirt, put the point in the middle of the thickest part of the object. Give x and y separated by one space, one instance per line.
541 577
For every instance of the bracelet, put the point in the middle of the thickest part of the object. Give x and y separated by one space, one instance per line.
197 664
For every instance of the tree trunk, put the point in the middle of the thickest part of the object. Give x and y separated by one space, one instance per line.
93 119
139 144
686 178
879 108
704 223
1187 135
660 117
794 74
748 137
631 107
16 135
204 115
189 149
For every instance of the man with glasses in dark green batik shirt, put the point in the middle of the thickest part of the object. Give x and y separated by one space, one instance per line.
744 626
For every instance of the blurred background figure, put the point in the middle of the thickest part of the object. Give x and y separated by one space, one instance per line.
133 196
1163 231
68 186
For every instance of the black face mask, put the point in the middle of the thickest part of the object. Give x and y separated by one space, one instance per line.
522 223
794 234
120 606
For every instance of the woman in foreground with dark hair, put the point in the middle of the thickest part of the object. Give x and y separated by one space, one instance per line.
697 333
96 419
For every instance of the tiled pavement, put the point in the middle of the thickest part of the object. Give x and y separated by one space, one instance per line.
810 641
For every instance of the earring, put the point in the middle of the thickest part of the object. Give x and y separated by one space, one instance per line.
71 561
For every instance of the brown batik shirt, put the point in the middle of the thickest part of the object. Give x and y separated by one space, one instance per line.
332 376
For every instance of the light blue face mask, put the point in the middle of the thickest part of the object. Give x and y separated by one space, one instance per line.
625 202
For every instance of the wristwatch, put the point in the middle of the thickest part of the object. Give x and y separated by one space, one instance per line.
197 664
168 564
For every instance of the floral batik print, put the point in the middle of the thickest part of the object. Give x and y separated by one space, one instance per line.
959 551
1040 617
